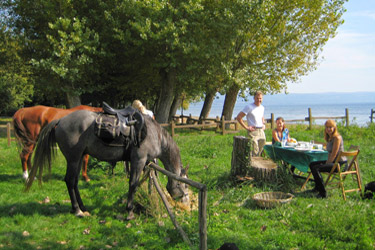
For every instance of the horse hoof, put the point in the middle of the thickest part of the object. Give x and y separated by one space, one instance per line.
25 175
130 216
86 214
79 214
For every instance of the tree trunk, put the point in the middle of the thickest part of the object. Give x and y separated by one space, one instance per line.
208 100
229 102
72 100
175 105
166 95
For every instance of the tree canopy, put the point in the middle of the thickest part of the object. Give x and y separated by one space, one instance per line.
159 51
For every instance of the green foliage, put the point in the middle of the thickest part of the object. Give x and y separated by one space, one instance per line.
16 87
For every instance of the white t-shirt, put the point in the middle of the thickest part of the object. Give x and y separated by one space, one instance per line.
254 115
149 113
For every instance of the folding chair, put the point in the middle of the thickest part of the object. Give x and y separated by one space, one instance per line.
309 174
339 172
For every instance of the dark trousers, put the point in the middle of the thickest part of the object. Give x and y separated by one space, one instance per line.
316 168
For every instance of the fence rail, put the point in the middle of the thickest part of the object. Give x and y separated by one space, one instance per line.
208 123
311 118
9 129
220 125
202 204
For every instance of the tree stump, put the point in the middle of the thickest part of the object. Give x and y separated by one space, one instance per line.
243 164
241 158
263 169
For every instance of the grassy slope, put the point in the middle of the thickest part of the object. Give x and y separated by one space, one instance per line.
26 222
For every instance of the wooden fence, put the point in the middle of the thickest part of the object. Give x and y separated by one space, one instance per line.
202 208
220 125
311 118
9 129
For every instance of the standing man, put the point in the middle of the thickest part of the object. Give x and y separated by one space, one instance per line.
255 123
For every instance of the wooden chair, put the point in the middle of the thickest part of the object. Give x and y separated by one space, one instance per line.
339 172
309 174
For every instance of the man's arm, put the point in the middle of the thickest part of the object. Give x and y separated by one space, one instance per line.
242 123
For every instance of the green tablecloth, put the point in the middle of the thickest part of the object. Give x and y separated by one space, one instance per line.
299 159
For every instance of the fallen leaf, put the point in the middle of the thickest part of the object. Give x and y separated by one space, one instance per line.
86 231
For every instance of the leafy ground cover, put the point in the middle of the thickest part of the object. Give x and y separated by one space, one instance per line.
40 218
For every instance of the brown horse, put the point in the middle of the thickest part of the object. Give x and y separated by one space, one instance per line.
28 122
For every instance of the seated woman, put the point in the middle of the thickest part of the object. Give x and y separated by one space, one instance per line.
280 132
335 145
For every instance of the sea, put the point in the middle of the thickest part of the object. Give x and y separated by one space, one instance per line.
295 106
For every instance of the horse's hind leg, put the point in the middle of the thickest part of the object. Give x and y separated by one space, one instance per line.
71 180
84 168
26 160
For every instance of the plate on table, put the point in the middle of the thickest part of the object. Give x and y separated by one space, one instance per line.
317 150
302 149
292 144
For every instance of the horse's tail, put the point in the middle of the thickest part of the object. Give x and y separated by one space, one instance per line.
19 129
44 152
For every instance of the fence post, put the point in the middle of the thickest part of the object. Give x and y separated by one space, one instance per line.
347 116
372 115
272 121
223 124
172 128
310 118
8 134
202 199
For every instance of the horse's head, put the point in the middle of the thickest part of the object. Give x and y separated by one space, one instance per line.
179 190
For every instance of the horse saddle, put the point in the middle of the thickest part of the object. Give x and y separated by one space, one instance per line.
115 123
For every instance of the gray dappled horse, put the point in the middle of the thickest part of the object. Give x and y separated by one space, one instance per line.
75 137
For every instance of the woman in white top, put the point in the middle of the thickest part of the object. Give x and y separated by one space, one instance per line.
138 105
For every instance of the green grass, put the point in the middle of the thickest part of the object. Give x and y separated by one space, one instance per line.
26 222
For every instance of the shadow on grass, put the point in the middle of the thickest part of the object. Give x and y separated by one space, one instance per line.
16 240
31 208
10 178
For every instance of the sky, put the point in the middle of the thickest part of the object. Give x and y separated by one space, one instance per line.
348 63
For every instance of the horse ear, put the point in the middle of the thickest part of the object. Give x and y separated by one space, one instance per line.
187 169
